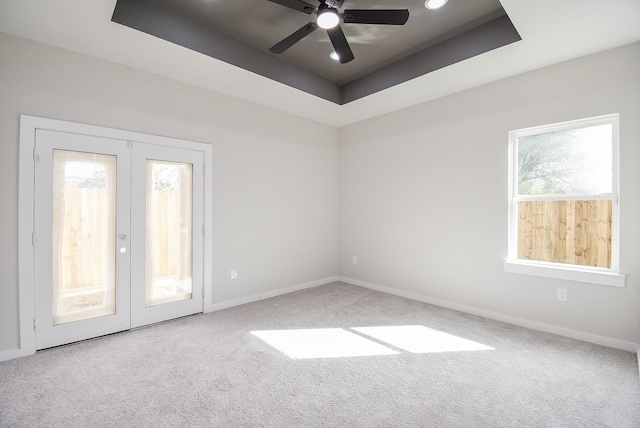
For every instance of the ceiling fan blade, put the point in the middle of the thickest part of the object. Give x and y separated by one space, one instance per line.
294 38
340 44
298 5
376 16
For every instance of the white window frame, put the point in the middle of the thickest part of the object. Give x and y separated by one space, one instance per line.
588 274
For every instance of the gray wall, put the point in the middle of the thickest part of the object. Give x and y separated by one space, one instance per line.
275 193
423 200
422 192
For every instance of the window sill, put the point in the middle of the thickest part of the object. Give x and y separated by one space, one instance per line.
570 274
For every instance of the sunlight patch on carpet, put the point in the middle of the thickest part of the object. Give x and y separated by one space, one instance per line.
321 343
420 339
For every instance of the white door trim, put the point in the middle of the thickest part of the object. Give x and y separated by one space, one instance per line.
26 261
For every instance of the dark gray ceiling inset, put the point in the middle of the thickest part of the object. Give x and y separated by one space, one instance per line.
484 38
185 23
160 22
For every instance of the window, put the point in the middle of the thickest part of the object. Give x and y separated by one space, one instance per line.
563 214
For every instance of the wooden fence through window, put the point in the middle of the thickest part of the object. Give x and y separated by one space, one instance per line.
86 244
572 232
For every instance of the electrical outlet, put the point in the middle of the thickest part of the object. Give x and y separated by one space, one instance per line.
234 274
354 260
562 294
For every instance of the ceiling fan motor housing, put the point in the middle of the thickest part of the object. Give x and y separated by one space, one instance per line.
328 18
334 3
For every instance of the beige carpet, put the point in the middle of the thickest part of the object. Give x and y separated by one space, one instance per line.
332 356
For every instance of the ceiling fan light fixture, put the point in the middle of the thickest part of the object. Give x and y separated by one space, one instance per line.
334 56
327 17
434 4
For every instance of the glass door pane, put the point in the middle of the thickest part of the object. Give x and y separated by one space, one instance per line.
169 230
83 236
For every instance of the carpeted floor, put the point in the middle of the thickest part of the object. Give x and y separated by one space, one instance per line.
432 367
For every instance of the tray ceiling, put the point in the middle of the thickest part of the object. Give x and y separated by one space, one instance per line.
240 32
552 32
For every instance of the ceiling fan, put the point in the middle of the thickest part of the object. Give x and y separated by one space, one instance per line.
328 18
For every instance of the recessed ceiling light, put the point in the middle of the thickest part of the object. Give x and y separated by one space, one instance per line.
434 4
334 56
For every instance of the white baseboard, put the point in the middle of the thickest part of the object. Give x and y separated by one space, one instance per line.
573 334
533 325
17 353
250 299
13 353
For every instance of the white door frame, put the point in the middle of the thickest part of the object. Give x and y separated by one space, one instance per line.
26 254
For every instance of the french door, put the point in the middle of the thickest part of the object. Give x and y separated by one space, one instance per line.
118 240
166 232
